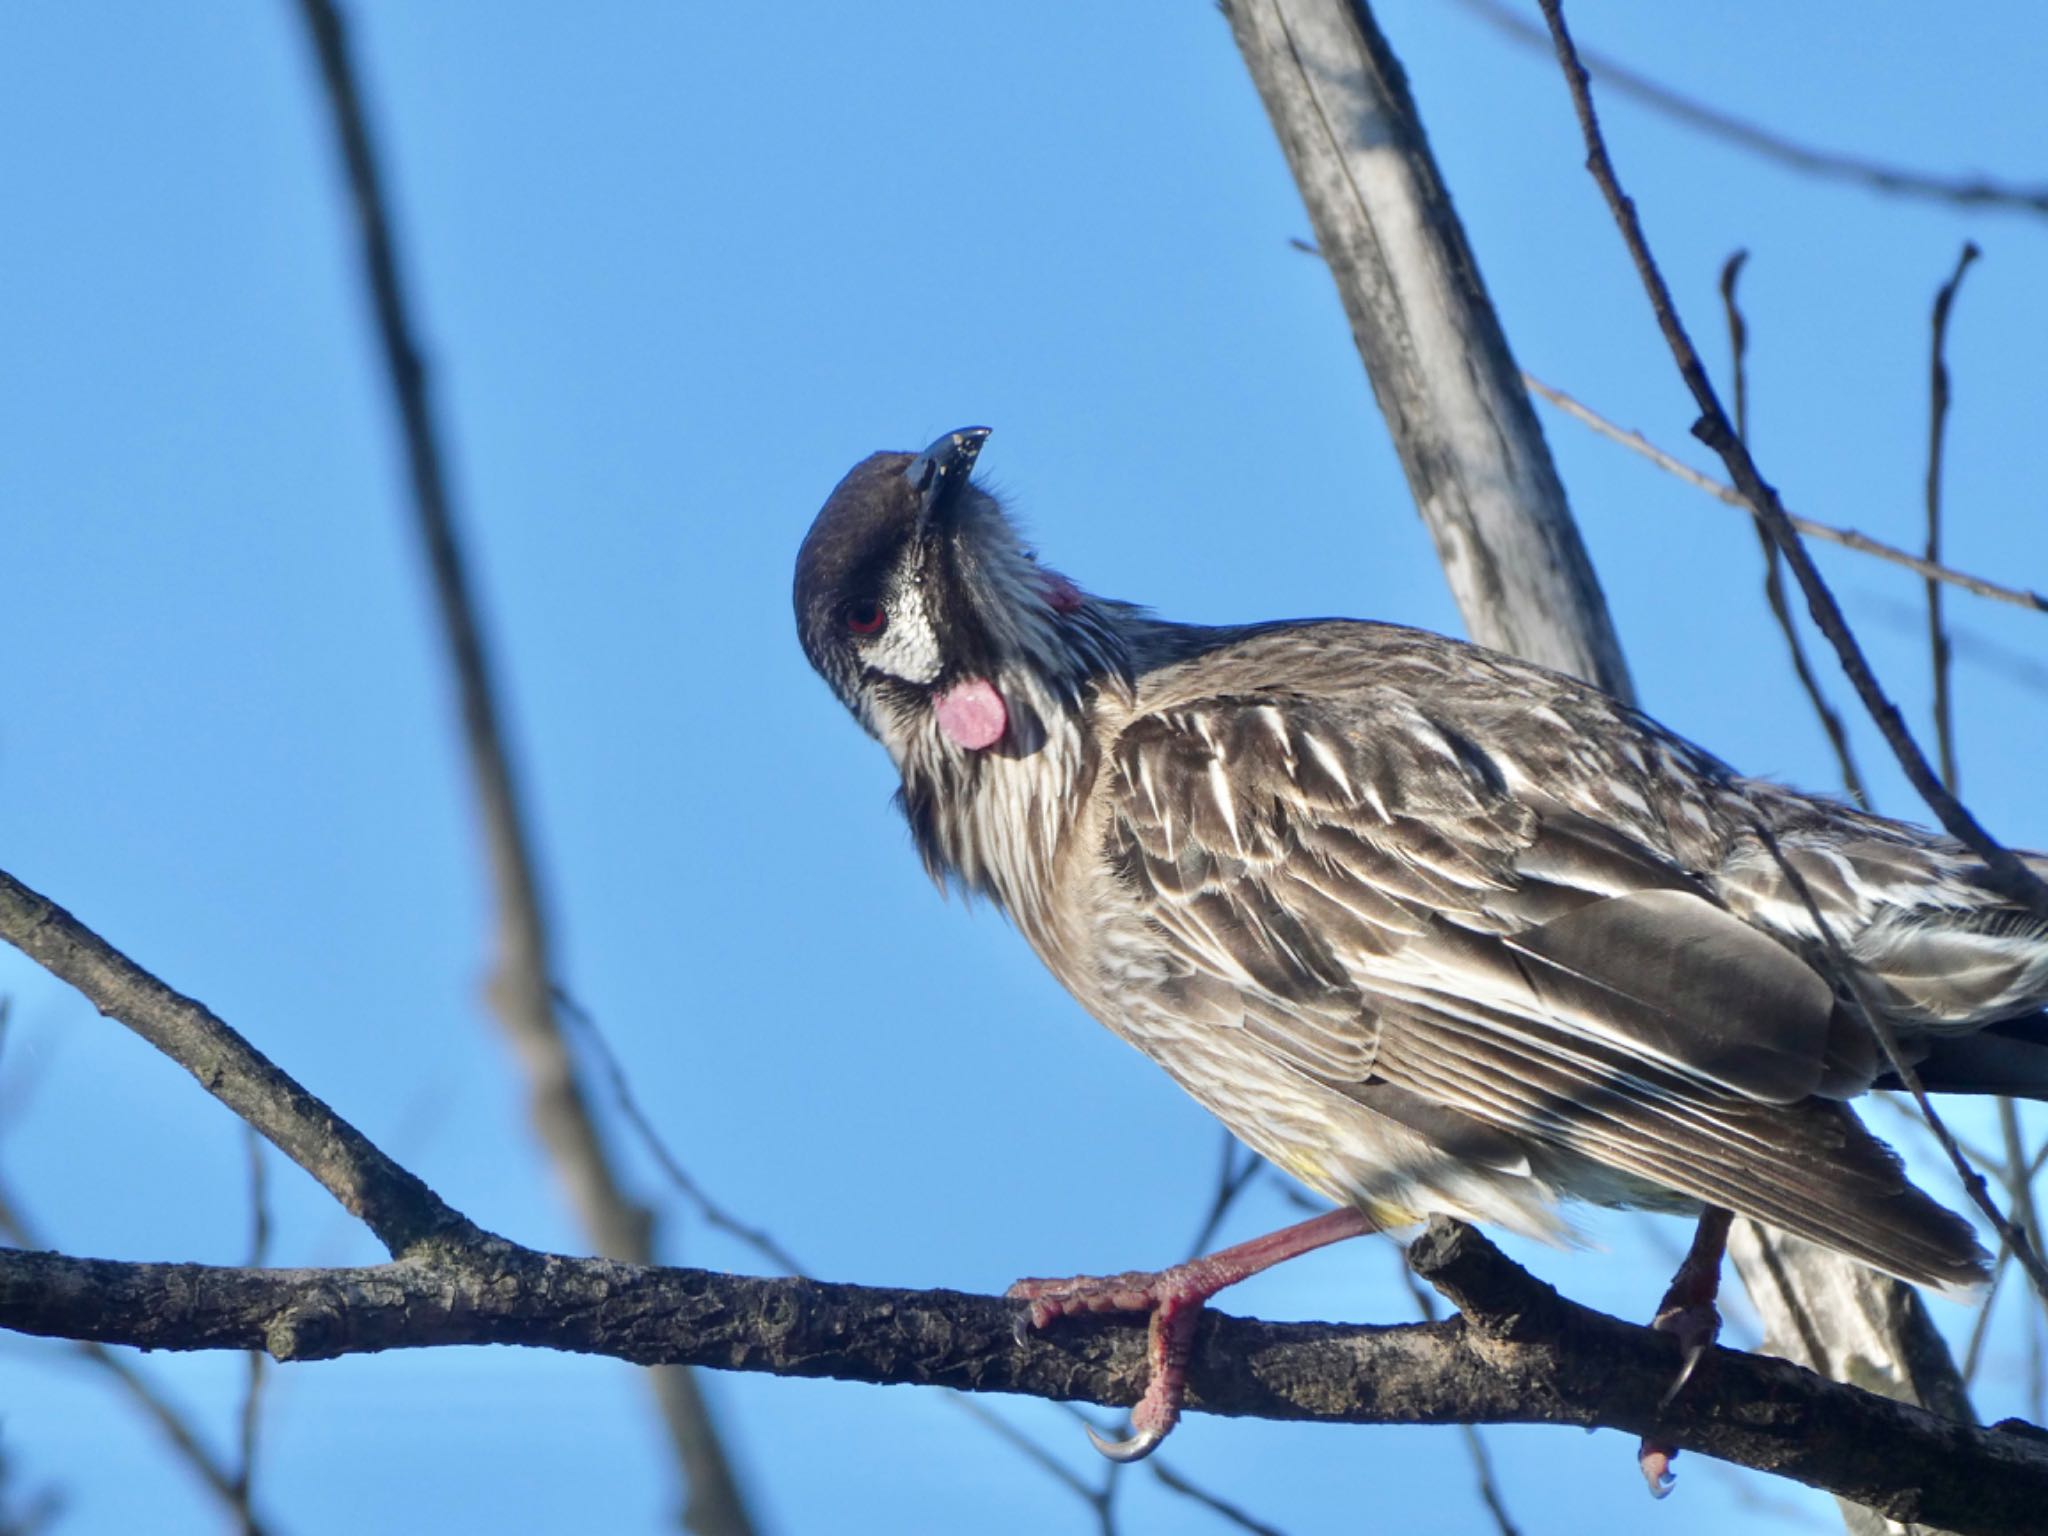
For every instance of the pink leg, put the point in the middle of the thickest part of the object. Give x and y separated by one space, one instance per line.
1688 1311
1175 1297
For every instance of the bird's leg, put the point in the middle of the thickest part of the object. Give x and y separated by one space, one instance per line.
1688 1313
1174 1297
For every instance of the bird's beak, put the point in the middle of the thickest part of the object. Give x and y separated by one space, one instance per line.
941 470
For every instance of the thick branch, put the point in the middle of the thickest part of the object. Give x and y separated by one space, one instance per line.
393 1203
521 987
1432 344
1520 1354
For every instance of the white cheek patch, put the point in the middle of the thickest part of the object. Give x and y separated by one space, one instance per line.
907 649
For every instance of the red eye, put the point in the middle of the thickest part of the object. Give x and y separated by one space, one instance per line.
867 618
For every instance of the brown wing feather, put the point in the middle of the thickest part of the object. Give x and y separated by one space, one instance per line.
1392 916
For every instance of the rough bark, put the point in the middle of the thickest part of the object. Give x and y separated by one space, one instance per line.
1517 1353
521 987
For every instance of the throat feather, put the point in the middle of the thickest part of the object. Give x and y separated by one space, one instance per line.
993 822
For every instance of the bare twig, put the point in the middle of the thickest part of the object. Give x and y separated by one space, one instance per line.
519 988
1848 538
1239 1167
1774 576
2002 869
394 1203
1738 342
1980 1327
1032 1451
712 1213
769 1247
1210 1501
1937 437
252 1390
170 1420
1967 191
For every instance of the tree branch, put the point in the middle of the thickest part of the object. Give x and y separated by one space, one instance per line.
1520 1354
394 1203
2003 869
1848 538
521 986
1964 191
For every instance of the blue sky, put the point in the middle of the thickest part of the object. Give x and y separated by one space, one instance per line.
677 267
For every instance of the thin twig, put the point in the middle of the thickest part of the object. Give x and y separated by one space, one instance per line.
1774 576
519 989
712 1213
2002 870
170 1420
769 1247
1909 1117
1980 1327
1029 1449
1210 1501
1968 191
1848 538
1937 436
258 1361
1240 1166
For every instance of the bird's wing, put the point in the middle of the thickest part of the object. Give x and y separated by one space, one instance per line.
1393 916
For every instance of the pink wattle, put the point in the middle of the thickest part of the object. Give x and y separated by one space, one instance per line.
972 713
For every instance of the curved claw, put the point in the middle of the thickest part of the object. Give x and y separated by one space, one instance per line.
1688 1365
1696 1328
1655 1461
1140 1445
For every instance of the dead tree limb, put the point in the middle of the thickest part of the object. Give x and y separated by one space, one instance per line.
1518 1353
1433 347
521 986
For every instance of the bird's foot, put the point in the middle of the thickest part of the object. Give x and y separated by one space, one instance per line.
1695 1325
1174 1297
1688 1314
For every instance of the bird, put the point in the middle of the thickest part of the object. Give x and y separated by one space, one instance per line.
1433 929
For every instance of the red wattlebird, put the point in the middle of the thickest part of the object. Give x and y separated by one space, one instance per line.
1432 929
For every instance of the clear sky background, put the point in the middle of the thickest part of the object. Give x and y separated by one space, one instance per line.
678 266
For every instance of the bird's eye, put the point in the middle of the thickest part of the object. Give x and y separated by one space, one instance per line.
867 618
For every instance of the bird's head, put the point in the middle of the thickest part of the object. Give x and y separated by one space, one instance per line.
919 604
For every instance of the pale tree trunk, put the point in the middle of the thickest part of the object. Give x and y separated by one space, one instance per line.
1484 482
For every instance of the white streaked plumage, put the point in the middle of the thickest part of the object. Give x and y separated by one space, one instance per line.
1434 929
